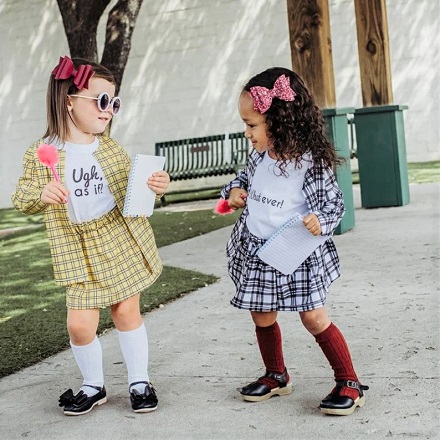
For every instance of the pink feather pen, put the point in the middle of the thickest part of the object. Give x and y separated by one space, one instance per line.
48 156
222 207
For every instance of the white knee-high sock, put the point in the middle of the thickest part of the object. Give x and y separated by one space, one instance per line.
134 346
89 360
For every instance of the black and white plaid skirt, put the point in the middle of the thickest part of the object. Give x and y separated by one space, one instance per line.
261 288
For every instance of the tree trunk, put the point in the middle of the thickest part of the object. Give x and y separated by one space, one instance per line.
81 19
120 27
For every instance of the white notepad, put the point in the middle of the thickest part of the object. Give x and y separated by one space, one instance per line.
290 246
139 200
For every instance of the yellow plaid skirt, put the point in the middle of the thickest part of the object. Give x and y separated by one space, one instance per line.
116 264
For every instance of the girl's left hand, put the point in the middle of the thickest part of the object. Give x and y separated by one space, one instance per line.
311 222
159 182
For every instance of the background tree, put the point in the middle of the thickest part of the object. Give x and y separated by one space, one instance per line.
81 19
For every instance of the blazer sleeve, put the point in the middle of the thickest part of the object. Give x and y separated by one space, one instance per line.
27 196
333 209
240 181
324 198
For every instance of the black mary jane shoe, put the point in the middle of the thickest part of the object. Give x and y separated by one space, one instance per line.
80 403
337 405
143 402
258 391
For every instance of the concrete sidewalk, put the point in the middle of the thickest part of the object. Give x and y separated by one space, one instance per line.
202 349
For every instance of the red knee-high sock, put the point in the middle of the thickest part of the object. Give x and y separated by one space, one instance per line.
335 349
271 348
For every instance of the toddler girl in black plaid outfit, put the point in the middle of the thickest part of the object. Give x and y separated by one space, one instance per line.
289 171
103 259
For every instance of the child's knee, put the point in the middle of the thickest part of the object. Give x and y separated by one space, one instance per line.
81 333
315 321
264 319
82 325
126 315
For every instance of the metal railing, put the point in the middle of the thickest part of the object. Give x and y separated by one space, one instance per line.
204 156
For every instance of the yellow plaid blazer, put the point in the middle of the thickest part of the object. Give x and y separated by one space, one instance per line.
67 255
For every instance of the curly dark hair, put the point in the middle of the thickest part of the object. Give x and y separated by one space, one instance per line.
296 127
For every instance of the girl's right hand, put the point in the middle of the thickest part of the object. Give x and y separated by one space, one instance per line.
54 193
237 198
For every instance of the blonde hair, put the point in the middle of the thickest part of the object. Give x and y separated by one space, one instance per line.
56 99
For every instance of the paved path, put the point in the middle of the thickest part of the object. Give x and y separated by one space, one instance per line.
202 349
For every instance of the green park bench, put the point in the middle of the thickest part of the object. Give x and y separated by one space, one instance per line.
204 156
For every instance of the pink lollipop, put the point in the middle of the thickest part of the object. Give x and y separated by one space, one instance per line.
48 155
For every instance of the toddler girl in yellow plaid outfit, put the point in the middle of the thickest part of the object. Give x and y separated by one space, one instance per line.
103 258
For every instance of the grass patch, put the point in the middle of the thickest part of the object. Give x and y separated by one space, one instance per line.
420 172
10 218
171 227
424 172
32 306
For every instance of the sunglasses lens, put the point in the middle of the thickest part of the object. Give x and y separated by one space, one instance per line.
103 101
116 105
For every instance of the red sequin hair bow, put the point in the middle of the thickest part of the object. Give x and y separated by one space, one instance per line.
263 97
66 69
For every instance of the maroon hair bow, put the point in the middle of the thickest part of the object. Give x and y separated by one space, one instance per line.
263 97
66 69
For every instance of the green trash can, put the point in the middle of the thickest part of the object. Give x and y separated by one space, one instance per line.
337 130
381 151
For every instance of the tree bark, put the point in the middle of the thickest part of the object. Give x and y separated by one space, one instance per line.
81 19
374 54
311 47
120 26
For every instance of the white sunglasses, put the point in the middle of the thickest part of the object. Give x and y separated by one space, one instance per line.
104 102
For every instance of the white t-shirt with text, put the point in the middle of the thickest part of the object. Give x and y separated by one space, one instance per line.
275 198
90 196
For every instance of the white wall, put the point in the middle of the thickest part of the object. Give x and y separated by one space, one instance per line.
190 58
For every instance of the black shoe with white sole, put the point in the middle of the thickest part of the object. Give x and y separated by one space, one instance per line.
143 402
258 391
80 403
335 404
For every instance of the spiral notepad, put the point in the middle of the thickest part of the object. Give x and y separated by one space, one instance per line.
139 199
290 246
